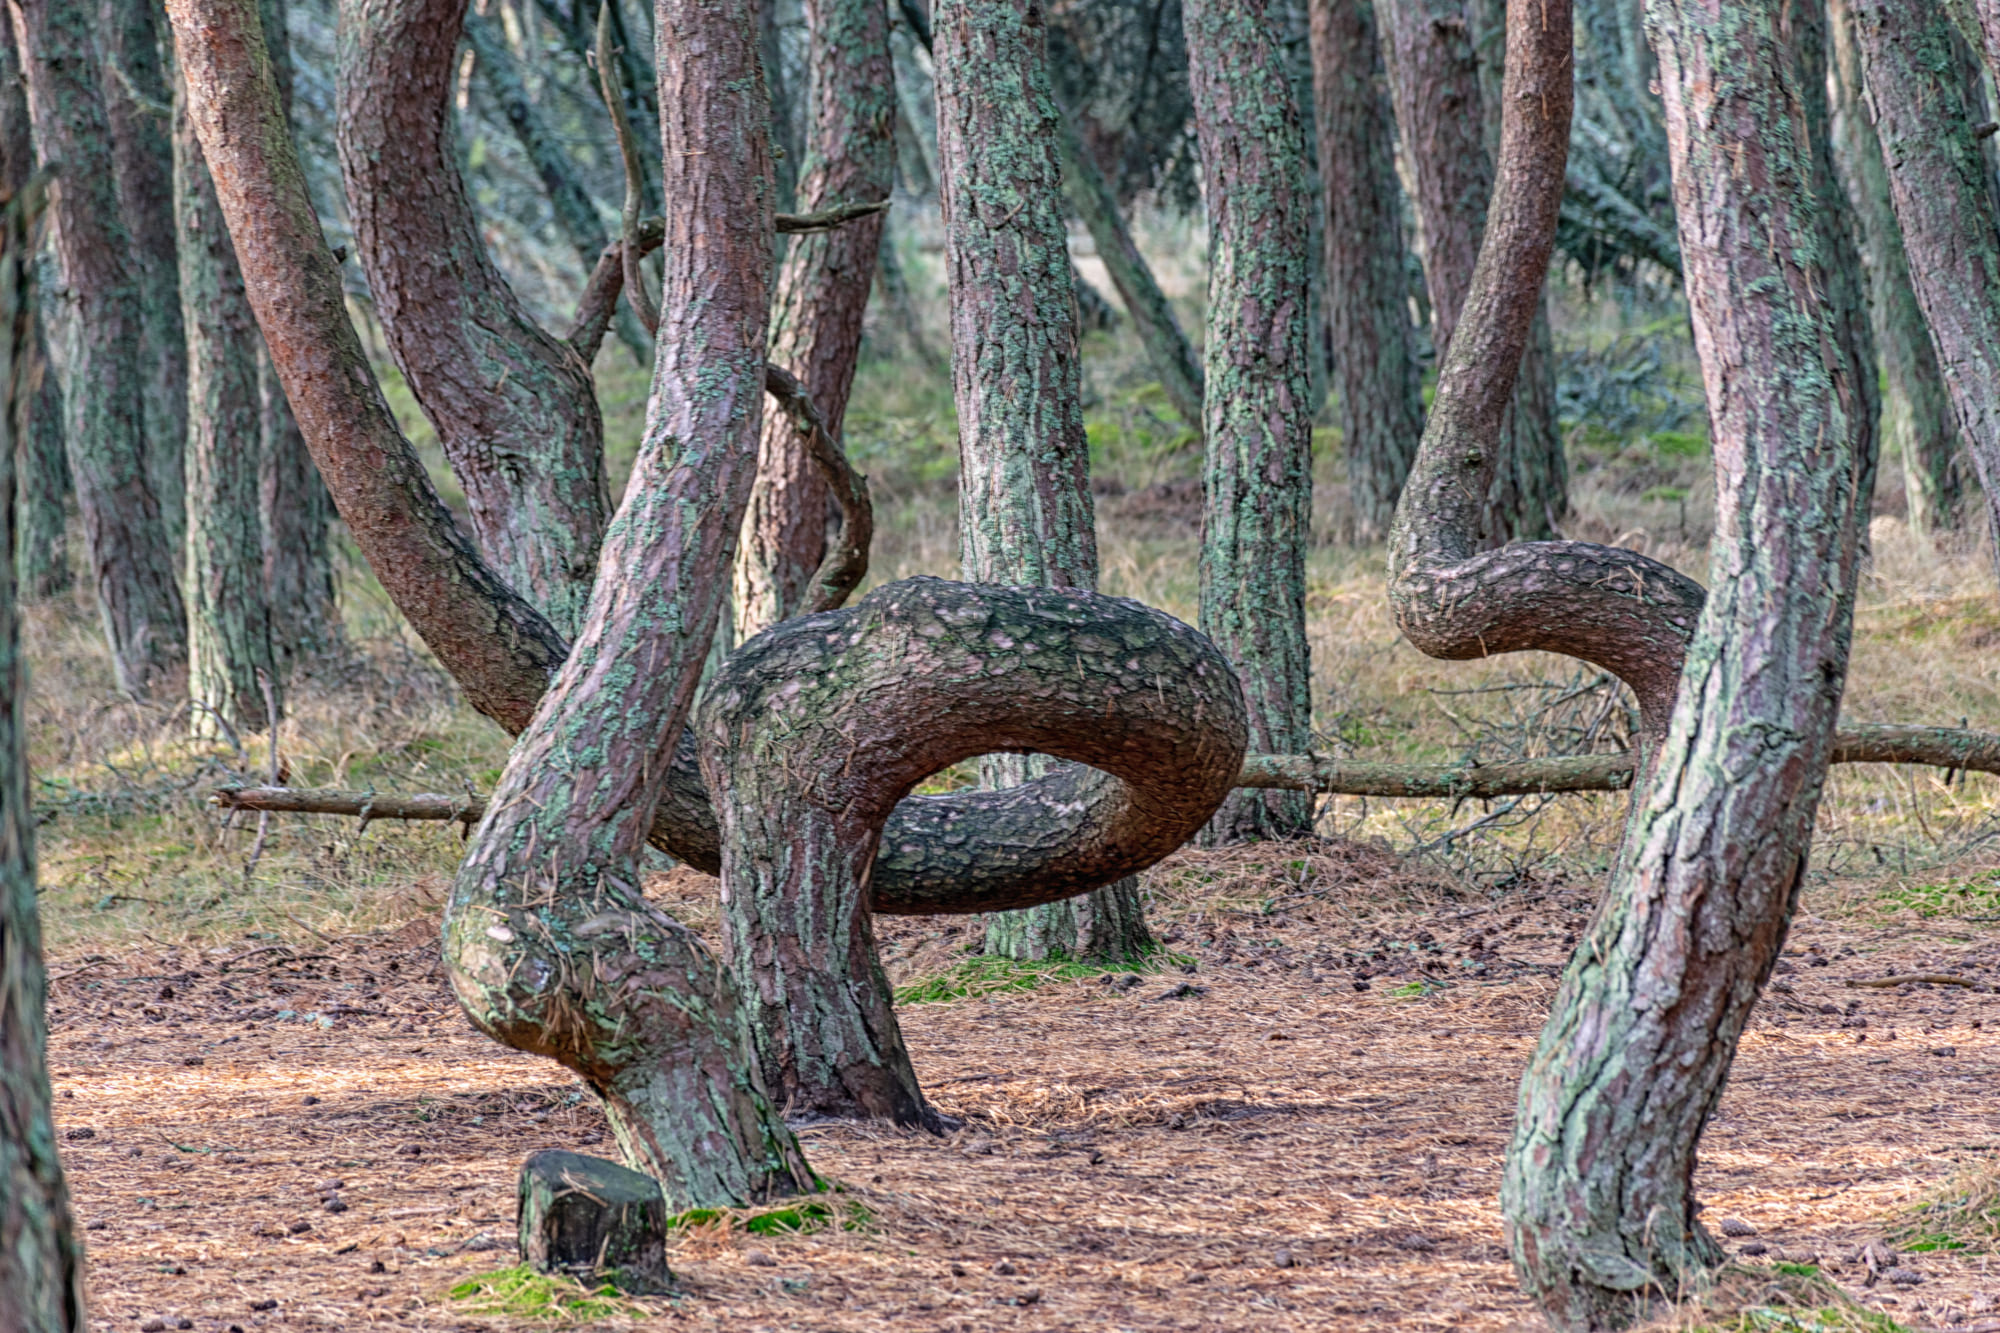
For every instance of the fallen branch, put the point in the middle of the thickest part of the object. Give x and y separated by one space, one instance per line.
1937 747
1935 978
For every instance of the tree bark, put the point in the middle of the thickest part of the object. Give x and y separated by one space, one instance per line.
811 735
1630 1067
1167 347
137 100
1938 182
1025 516
823 289
229 622
41 1263
1917 421
1436 80
514 407
1376 376
41 474
1257 469
132 562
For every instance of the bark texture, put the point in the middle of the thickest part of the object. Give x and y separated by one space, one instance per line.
132 562
812 733
550 944
1436 78
514 407
1938 182
41 1261
1257 469
1377 379
1025 516
823 288
136 101
1917 423
1632 1062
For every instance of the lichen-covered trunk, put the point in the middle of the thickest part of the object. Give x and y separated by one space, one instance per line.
514 407
814 732
41 1263
1916 421
1167 347
1377 381
229 623
135 89
823 289
41 473
551 946
1443 120
1598 1183
1257 469
104 362
1938 182
1025 516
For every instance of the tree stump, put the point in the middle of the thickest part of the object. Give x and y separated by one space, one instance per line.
593 1220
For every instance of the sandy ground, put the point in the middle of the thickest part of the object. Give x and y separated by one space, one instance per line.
1283 1151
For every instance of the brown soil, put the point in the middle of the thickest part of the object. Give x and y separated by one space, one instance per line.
1282 1151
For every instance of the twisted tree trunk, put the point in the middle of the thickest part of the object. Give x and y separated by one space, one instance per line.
1917 421
823 289
229 623
1024 508
41 1264
1257 471
514 407
1376 375
104 364
1938 181
812 733
1632 1062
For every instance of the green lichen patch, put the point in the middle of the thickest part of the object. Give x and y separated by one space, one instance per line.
1780 1298
1962 1213
793 1219
522 1293
1978 896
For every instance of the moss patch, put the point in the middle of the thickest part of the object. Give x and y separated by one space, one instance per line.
522 1293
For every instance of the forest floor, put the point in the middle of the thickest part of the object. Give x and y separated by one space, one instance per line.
1280 1150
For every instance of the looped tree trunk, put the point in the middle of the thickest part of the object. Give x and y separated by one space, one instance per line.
812 733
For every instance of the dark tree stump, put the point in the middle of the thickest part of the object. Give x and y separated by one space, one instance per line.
593 1220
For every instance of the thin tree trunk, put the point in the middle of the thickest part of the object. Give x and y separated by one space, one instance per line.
41 1264
137 104
552 947
133 565
1024 505
229 623
1630 1067
294 508
822 291
1167 347
41 473
1917 421
1375 371
1257 471
1938 182
1443 120
514 407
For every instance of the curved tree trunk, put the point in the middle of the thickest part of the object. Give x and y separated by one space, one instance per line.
551 946
1443 118
1597 1191
133 564
514 408
1938 181
1917 419
812 733
1257 471
1025 516
229 623
136 101
41 1265
1375 371
823 289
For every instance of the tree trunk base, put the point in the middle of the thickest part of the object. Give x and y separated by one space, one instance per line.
593 1220
1106 925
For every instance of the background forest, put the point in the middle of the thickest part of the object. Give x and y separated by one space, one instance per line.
1410 941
